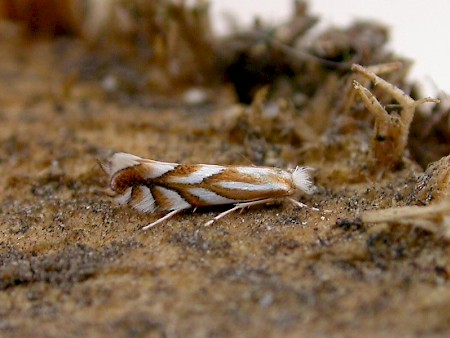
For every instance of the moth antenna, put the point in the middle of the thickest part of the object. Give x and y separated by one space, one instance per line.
302 179
104 165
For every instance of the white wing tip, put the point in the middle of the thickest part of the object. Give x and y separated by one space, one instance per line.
302 179
120 161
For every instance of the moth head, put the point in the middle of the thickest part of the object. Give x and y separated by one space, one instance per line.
119 161
121 169
302 179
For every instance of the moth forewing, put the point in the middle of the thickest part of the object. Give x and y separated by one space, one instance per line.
153 186
241 184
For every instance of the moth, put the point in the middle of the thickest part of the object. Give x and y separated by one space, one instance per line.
151 186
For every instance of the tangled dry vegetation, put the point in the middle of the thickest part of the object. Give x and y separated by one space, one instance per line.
149 77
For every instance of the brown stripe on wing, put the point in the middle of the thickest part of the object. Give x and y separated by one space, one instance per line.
128 177
192 199
262 175
181 170
277 182
162 202
230 174
136 196
169 199
182 189
246 195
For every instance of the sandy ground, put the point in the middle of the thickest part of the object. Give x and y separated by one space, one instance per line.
73 263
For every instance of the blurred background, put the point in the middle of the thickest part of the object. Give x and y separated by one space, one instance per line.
419 29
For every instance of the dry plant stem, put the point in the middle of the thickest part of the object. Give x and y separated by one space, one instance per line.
434 218
401 213
384 68
189 27
408 104
377 69
391 130
371 103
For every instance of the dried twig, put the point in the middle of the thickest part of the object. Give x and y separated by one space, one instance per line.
434 218
391 130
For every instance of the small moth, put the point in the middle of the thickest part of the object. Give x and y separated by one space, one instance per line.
151 186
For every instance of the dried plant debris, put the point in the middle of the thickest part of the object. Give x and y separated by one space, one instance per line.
434 185
434 218
161 43
391 129
170 44
271 126
264 128
261 56
362 42
430 133
50 17
433 188
292 62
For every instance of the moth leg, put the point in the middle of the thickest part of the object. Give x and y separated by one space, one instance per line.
239 206
302 205
162 219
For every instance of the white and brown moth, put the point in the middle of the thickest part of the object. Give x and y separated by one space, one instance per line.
152 186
